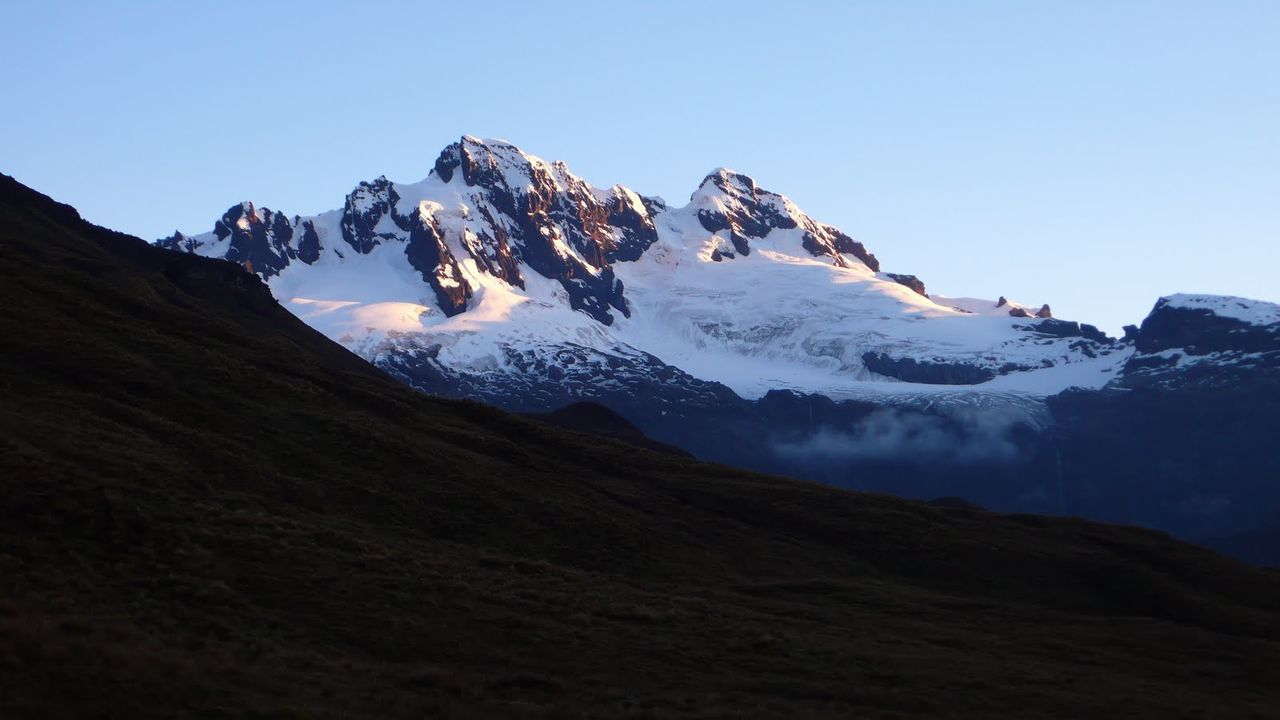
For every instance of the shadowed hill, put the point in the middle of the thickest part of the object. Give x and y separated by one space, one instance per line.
596 419
208 509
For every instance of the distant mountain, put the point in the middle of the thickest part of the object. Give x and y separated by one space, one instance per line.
501 264
209 509
1187 438
741 329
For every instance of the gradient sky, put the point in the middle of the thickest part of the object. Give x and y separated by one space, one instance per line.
1092 155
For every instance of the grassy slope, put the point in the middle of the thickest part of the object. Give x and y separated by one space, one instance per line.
207 508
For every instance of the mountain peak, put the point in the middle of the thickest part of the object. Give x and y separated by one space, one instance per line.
726 178
475 140
516 254
490 163
731 201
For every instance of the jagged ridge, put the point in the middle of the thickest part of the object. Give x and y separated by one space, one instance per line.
739 275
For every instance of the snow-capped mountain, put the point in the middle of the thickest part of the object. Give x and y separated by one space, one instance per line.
1204 339
507 276
742 330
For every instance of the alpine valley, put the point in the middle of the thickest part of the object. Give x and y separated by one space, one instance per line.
743 331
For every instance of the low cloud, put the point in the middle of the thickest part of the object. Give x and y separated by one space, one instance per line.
889 434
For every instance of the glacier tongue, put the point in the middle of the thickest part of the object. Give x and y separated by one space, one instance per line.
498 254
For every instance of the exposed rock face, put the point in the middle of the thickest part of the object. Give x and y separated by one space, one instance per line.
733 202
369 215
309 244
910 281
259 239
557 224
1206 342
1200 331
923 371
1002 302
429 254
1067 328
180 242
1018 313
527 214
1044 311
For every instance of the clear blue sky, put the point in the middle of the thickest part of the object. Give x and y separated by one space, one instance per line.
1093 155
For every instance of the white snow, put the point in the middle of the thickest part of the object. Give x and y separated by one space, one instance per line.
781 318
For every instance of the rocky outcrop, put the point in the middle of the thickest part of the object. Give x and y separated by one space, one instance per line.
910 281
1200 331
553 221
369 215
1207 342
1067 329
259 239
1044 311
429 254
490 247
924 371
742 207
309 243
733 203
180 242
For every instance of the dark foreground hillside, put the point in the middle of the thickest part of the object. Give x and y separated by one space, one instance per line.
208 509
